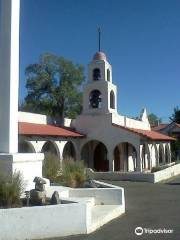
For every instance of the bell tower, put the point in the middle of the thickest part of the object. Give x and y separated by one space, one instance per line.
100 94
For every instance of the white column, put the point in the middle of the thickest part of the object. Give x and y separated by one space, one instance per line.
139 160
9 75
110 157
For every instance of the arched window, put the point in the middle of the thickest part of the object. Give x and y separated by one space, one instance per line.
96 74
95 99
112 100
108 75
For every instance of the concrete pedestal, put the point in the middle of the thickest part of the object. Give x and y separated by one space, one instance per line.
29 164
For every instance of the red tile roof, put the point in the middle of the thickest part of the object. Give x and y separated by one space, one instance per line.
46 130
148 134
160 126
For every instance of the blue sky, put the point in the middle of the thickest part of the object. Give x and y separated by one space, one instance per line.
140 38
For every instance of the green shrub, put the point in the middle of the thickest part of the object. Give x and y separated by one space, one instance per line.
73 173
11 189
155 169
51 166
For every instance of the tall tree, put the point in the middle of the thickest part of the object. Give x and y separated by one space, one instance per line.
154 120
54 87
176 115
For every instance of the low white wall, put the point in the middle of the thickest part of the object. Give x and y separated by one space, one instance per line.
61 220
167 173
118 176
103 196
44 222
136 176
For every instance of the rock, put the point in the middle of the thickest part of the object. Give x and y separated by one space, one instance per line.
55 198
39 184
37 197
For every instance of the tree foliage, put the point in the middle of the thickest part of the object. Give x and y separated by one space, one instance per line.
176 115
154 120
54 87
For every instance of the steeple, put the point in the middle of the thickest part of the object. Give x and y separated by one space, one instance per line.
100 94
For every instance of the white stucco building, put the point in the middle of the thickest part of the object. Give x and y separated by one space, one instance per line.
104 139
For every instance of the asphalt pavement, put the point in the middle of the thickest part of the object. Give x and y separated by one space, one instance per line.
149 206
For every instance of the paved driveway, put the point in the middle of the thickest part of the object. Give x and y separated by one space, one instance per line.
147 205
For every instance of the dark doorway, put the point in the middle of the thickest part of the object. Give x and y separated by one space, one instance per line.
101 162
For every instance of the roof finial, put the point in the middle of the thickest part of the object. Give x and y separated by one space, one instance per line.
99 38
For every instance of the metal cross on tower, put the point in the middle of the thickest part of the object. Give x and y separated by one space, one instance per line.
99 38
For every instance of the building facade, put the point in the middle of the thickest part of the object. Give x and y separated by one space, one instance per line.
104 139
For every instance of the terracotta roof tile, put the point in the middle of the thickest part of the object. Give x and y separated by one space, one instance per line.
160 126
148 134
46 130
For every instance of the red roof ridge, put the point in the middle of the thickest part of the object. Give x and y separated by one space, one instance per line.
160 126
147 133
26 128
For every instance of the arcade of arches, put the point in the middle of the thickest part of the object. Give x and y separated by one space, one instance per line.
122 157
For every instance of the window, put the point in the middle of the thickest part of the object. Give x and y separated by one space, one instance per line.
95 99
96 74
108 75
112 100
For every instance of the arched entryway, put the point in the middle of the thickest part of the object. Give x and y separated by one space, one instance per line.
25 147
94 153
125 157
69 151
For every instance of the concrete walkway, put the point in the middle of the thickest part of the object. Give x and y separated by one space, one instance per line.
148 205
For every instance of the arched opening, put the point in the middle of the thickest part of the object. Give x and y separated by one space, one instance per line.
108 75
145 157
100 158
125 157
69 151
50 148
95 99
25 147
96 74
161 154
112 100
94 153
51 163
167 154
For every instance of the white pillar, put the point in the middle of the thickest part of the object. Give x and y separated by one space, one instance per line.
9 75
30 165
139 160
110 157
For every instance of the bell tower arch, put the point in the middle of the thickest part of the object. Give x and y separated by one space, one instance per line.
100 94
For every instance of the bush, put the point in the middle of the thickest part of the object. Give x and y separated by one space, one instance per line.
51 166
11 189
73 173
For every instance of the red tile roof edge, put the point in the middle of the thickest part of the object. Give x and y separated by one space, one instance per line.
36 129
144 133
160 127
